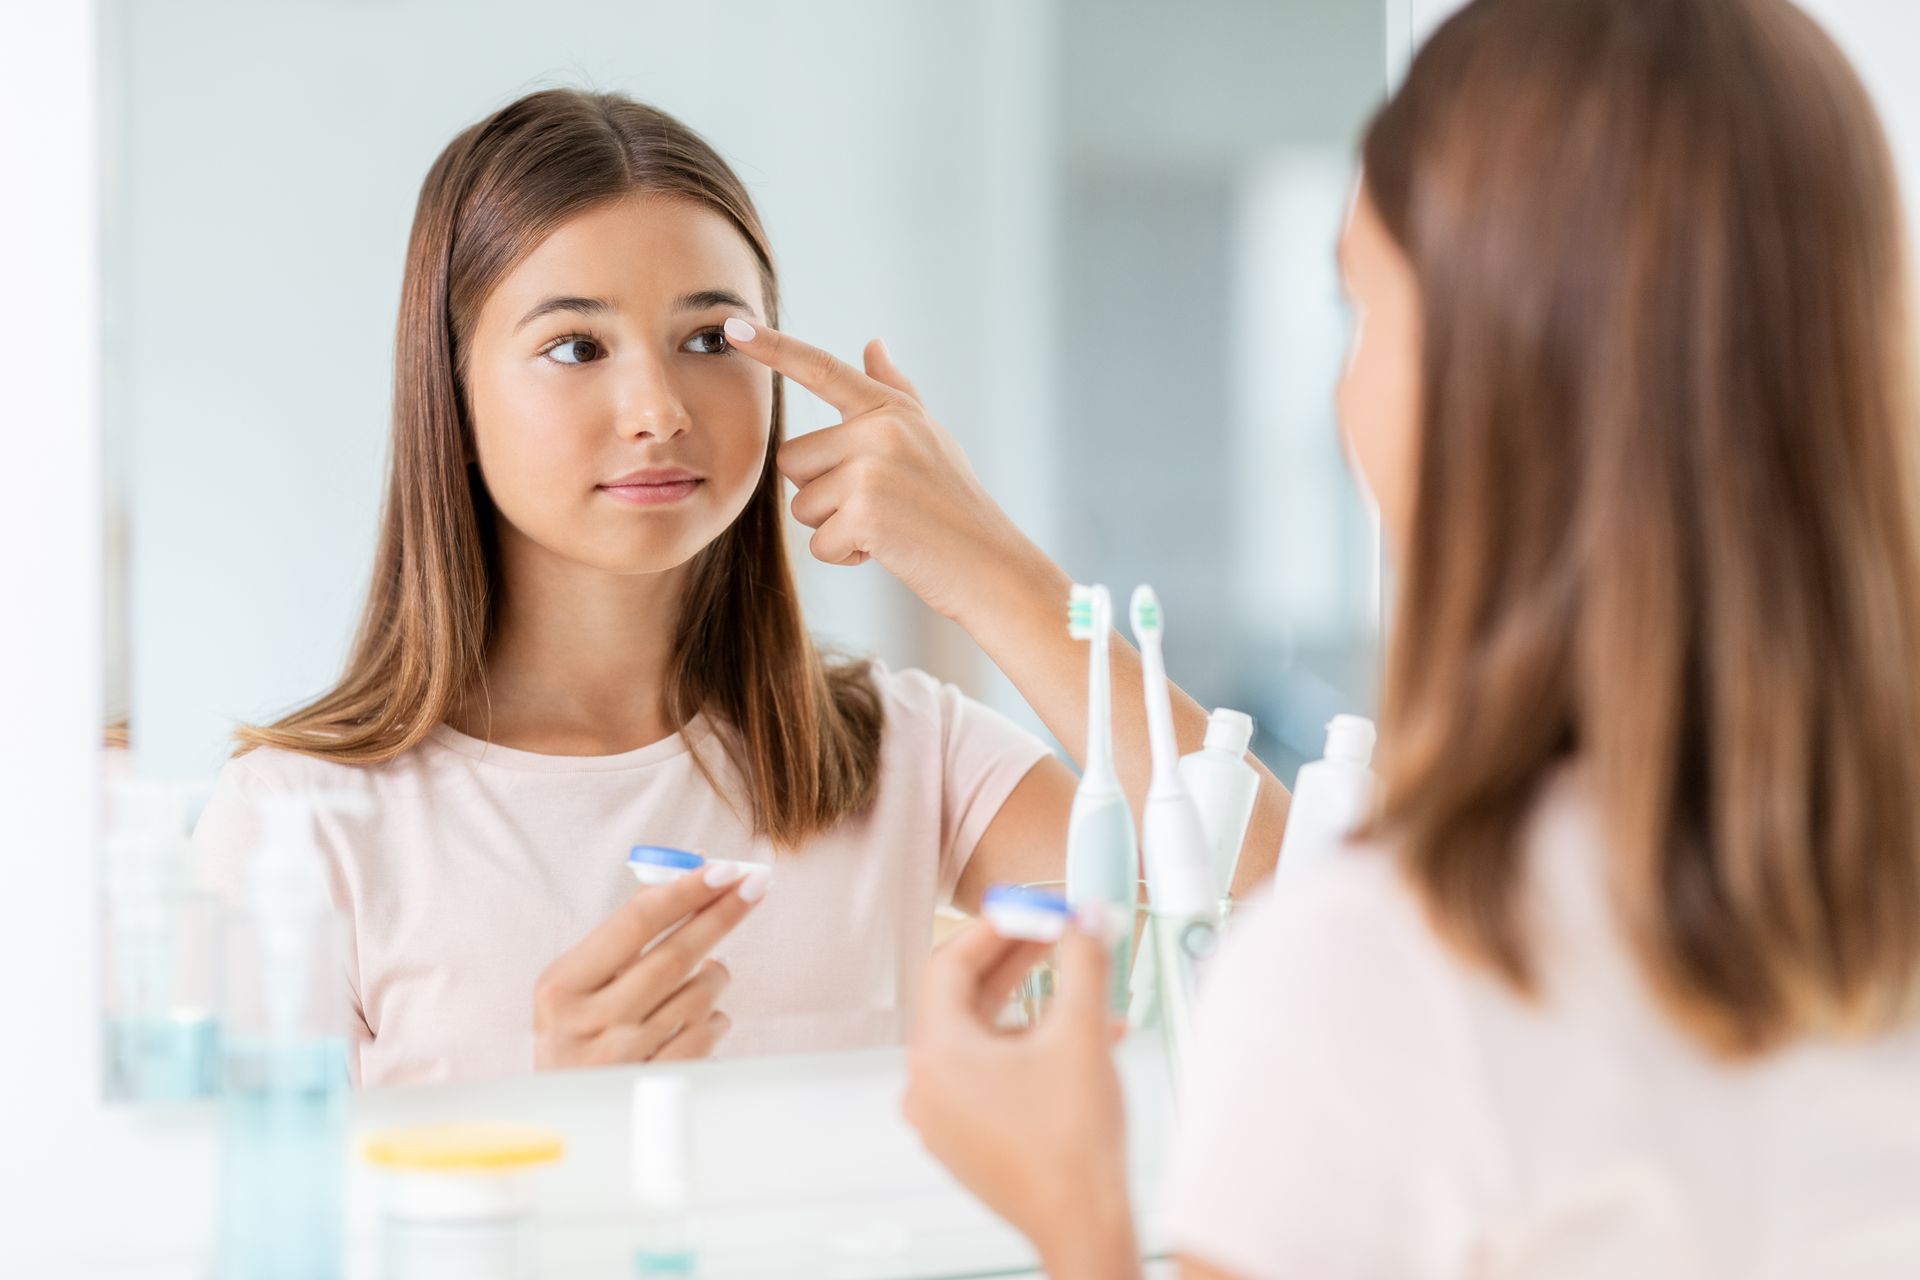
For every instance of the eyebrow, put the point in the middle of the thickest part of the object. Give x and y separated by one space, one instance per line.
699 300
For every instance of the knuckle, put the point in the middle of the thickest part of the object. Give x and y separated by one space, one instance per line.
868 473
678 952
699 1000
625 1046
820 365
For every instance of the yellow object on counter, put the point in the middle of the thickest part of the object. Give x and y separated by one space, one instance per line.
463 1148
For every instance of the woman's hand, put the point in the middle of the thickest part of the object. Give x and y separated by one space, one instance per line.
626 993
1034 1122
888 483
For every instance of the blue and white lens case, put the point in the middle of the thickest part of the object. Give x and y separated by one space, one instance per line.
1028 915
663 864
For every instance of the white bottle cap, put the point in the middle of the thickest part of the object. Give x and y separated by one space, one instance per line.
1229 730
1350 738
662 1141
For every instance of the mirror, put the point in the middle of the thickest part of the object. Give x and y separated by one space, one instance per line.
1097 236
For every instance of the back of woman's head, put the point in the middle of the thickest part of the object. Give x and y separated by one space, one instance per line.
1664 517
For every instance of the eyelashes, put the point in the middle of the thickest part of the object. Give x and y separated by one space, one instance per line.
569 346
584 348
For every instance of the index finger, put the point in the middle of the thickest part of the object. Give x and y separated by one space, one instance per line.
975 960
618 940
1085 964
832 379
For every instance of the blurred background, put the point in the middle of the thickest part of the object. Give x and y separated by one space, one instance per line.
1097 233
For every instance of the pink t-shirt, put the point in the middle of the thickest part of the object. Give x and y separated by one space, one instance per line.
480 864
1364 1103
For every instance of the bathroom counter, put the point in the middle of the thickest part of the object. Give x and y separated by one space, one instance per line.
800 1166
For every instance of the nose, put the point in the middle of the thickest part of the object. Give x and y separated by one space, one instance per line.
649 407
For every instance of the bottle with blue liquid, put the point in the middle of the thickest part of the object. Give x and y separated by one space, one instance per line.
162 1037
284 1111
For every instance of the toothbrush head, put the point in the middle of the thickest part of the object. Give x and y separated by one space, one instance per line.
1089 611
1147 619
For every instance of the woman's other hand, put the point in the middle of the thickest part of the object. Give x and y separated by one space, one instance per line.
637 989
1032 1122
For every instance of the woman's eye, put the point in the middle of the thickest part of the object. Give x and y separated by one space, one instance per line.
574 351
708 342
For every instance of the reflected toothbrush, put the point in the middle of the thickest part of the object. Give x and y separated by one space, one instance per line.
1103 862
1184 908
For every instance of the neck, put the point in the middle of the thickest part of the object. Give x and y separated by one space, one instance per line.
579 659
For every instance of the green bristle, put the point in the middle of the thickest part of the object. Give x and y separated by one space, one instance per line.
1080 614
1146 615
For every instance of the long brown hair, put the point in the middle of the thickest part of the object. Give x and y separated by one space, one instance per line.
1665 514
805 734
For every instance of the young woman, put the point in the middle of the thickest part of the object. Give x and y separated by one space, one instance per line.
583 634
1625 980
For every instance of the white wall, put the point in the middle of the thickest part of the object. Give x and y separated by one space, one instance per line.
1882 37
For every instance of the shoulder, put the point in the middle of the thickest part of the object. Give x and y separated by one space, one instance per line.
1348 940
920 706
1362 911
908 692
275 769
1333 1084
268 771
925 713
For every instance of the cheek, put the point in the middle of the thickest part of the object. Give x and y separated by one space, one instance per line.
1379 411
732 409
1359 404
534 442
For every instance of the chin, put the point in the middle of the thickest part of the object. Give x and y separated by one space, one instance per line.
653 556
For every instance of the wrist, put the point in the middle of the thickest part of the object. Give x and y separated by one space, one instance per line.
1014 578
1097 1245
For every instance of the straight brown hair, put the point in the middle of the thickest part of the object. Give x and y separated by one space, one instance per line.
803 732
1665 514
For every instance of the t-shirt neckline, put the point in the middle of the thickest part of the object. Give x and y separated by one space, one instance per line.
670 747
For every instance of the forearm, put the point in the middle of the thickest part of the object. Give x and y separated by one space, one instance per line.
1018 617
1092 1237
1109 1254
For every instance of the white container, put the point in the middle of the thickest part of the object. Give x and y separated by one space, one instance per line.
662 1118
460 1202
1331 797
1223 786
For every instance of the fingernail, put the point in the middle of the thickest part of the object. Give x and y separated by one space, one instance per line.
1098 920
738 330
885 353
755 886
719 873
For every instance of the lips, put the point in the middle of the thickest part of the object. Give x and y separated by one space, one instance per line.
653 486
651 475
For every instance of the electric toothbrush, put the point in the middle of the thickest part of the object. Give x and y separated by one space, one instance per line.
1180 881
1103 863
